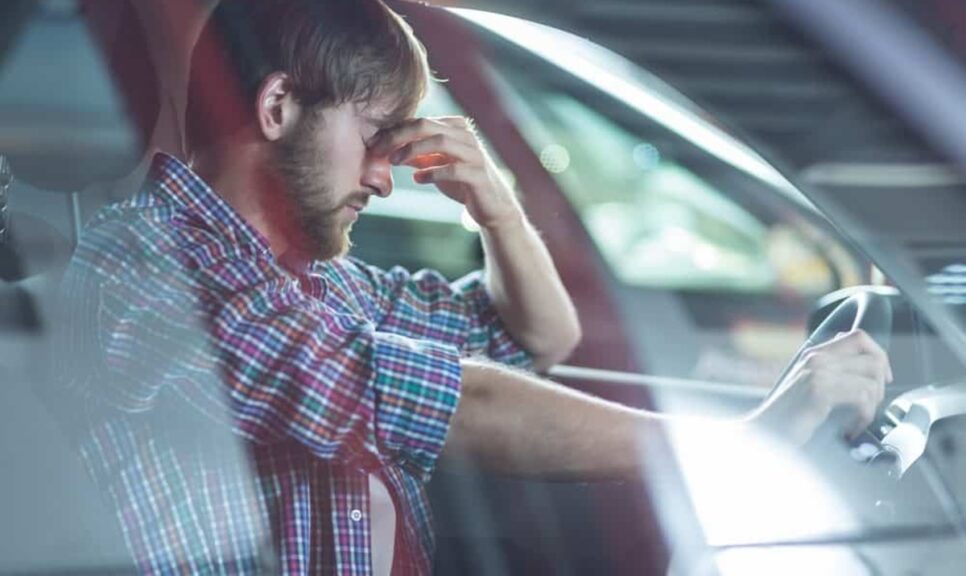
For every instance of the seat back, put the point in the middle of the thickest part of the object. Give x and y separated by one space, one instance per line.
78 98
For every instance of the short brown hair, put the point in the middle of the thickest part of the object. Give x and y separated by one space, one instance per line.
335 51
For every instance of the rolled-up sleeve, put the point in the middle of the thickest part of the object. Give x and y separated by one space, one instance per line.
333 381
286 366
418 384
426 305
487 334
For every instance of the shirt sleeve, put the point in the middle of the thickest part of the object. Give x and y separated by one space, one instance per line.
288 367
426 305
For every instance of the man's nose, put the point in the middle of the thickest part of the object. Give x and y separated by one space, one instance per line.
377 175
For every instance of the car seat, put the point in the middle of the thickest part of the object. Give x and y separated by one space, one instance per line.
78 95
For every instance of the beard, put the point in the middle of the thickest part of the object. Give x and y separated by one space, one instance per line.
303 170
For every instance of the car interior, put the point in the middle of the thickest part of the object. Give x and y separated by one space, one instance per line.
84 101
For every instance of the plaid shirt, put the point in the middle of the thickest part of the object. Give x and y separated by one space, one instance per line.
233 408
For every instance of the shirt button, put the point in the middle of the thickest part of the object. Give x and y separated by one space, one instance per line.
356 515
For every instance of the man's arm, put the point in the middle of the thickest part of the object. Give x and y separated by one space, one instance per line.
518 424
521 278
527 292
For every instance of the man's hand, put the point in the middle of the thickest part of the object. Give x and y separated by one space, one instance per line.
446 152
521 278
849 372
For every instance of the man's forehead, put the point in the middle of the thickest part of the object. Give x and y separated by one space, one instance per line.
381 113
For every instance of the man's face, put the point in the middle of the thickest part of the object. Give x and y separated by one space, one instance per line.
329 173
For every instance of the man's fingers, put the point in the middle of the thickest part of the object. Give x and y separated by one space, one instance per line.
859 395
863 365
391 139
866 344
429 161
459 122
450 173
856 342
435 145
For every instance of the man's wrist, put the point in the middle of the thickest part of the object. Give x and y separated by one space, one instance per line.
514 220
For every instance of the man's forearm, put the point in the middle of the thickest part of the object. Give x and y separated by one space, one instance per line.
527 292
517 424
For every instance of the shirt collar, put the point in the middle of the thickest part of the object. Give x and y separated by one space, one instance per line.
175 182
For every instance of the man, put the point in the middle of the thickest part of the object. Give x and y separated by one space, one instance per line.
220 297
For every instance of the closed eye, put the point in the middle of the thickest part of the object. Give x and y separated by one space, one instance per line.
369 134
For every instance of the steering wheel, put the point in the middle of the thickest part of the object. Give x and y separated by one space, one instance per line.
865 310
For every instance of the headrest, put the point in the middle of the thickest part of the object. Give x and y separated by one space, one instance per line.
79 93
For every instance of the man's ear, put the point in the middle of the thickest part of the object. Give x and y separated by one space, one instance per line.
276 109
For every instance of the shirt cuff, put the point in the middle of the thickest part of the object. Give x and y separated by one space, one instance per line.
417 384
488 335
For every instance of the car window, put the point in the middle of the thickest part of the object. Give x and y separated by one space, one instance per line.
655 221
721 259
